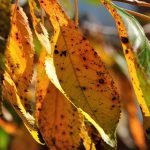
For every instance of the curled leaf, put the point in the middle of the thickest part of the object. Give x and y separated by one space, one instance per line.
20 55
10 93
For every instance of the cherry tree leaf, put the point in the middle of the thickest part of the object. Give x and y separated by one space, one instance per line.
58 120
137 52
76 69
11 94
20 54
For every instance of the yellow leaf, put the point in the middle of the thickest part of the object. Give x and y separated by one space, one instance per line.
129 55
59 121
20 54
10 93
76 69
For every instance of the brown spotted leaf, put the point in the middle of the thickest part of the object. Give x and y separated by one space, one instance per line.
20 54
137 53
140 86
76 69
58 120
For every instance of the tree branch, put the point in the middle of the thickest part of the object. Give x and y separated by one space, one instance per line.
76 12
138 14
135 2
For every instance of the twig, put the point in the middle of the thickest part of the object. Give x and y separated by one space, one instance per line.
42 16
135 2
76 12
147 18
17 2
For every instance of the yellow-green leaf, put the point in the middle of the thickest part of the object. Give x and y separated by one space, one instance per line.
130 56
76 69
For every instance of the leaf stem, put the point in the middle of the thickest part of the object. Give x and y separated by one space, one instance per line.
142 16
135 2
76 12
42 16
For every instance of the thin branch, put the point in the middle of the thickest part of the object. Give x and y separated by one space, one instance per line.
76 12
135 2
42 16
17 2
144 17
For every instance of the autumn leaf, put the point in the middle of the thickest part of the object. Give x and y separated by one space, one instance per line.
58 120
76 69
137 52
132 46
19 64
11 94
20 55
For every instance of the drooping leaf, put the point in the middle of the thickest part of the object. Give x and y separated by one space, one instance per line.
137 52
134 43
58 120
19 64
20 55
76 69
11 94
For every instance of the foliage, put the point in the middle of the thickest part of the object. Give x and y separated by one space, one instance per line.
73 91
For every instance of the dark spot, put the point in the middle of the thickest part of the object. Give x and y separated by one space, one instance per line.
83 88
25 90
56 51
118 23
101 81
77 69
63 53
84 38
27 42
55 46
126 51
63 132
113 106
71 133
53 141
61 116
61 68
84 58
114 98
124 40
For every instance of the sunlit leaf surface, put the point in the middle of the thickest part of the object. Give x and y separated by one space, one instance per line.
76 69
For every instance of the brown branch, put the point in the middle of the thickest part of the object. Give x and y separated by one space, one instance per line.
135 2
42 16
144 17
76 12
